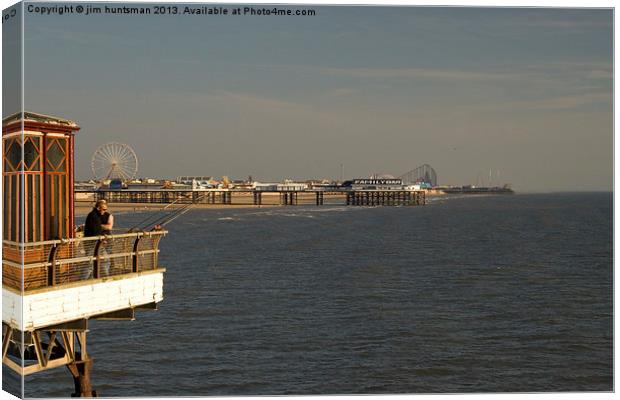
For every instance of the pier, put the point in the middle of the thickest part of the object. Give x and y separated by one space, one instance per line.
64 283
369 198
54 280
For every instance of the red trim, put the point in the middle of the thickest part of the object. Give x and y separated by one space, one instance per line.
70 177
46 174
45 187
38 126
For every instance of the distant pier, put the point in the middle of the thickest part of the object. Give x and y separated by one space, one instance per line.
372 198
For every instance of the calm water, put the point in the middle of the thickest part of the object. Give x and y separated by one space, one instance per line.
464 295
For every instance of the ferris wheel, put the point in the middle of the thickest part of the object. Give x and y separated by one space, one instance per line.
114 161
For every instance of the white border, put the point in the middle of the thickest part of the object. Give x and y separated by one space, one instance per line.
478 3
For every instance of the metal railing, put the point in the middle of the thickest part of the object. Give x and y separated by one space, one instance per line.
57 262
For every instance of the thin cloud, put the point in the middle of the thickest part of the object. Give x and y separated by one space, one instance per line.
559 103
428 73
557 75
566 102
568 24
342 92
260 103
81 37
600 74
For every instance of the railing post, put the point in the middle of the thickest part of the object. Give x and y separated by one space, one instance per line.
134 256
97 262
51 274
156 253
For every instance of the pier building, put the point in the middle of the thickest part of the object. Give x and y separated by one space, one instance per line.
373 184
53 279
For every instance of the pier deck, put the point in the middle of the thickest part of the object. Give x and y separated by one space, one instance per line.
63 283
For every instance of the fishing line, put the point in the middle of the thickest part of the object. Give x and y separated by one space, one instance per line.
162 219
151 216
158 219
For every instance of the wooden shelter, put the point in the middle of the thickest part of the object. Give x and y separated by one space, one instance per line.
38 164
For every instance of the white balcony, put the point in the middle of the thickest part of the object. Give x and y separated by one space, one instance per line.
67 280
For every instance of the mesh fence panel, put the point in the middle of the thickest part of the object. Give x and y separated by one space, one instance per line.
73 260
36 260
147 261
116 256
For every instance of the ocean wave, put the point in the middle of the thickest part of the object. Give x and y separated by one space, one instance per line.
228 219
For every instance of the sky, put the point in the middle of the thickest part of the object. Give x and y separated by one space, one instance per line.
526 92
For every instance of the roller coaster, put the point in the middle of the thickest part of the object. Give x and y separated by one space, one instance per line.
422 174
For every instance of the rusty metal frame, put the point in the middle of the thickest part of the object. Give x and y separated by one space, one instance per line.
135 257
44 360
51 269
97 262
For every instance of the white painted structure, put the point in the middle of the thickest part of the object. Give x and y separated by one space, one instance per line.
287 185
48 306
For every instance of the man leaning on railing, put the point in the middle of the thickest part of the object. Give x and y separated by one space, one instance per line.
100 222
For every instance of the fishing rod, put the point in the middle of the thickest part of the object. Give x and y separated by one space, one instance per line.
174 217
157 219
171 215
176 213
150 216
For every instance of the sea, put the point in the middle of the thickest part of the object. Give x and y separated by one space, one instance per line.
471 294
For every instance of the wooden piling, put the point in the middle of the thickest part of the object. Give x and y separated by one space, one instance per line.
82 365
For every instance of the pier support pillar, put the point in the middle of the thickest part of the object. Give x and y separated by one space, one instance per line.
226 197
81 378
258 198
81 365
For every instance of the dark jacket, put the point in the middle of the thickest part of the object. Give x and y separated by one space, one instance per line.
104 220
92 226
